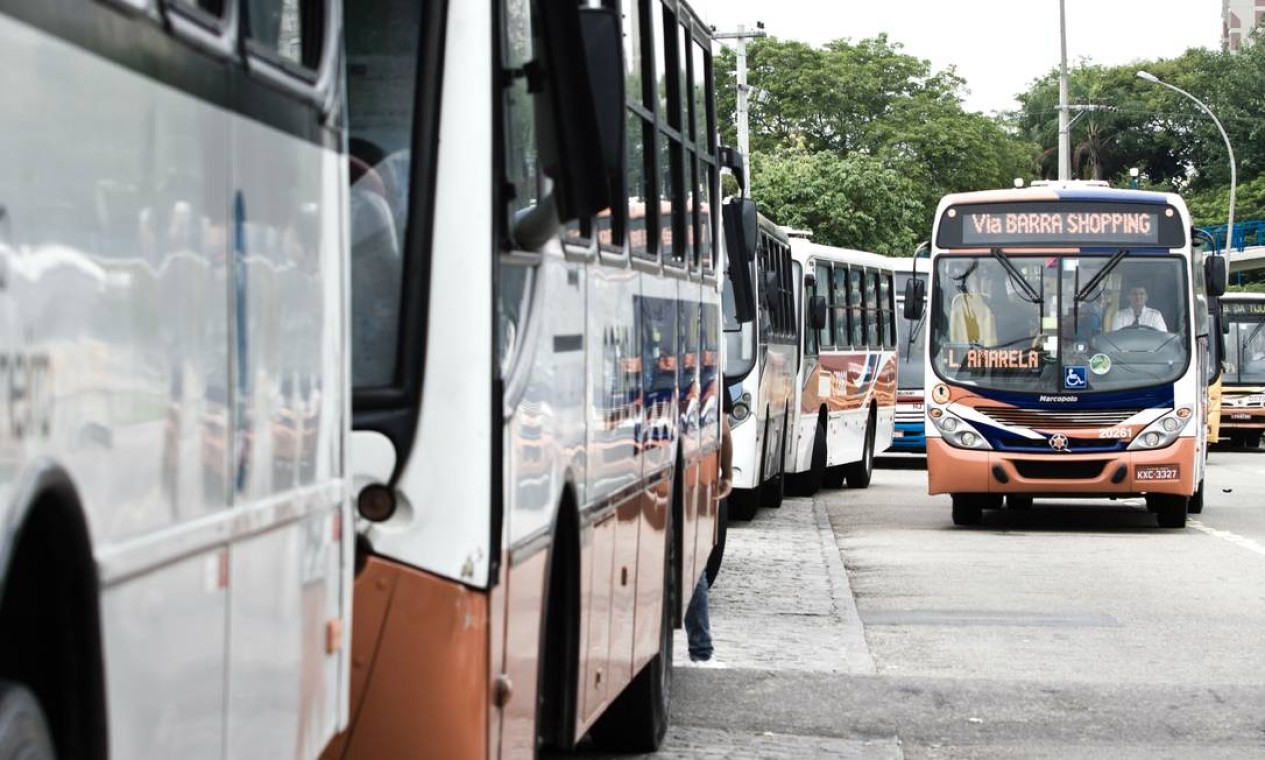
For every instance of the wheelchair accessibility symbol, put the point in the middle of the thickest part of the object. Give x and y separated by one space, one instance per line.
1075 377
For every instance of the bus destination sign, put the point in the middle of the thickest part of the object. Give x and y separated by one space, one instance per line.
1065 224
1243 308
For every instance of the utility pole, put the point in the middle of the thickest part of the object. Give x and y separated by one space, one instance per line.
744 92
1065 137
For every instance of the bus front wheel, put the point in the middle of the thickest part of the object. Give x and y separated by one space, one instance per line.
967 509
1169 509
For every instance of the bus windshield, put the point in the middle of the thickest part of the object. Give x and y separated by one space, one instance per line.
1245 349
913 339
1098 321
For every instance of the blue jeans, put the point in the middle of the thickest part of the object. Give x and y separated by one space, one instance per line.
698 627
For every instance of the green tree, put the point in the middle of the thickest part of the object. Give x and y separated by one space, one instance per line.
851 202
872 108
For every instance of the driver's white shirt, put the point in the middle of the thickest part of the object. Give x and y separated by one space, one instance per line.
1149 318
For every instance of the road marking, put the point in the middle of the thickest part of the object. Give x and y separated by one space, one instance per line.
1226 535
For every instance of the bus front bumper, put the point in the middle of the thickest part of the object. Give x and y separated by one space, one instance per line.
909 436
1121 474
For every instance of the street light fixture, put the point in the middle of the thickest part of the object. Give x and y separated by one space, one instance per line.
1229 227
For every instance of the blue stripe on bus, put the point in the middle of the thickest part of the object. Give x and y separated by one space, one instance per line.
1147 398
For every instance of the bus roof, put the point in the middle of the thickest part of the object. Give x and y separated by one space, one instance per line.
1066 191
803 249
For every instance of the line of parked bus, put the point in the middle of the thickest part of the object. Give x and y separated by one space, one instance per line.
361 372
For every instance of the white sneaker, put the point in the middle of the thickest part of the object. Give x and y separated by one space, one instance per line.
712 663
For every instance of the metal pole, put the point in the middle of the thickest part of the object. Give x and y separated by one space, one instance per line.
1234 177
744 93
1065 137
744 143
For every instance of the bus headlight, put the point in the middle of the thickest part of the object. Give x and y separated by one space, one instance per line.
741 411
958 432
1163 431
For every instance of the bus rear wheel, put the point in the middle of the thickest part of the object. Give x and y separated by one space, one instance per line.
23 729
637 720
1196 504
859 473
809 483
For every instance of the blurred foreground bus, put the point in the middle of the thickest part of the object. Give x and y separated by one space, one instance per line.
760 366
173 380
535 291
1243 378
844 404
909 434
1067 355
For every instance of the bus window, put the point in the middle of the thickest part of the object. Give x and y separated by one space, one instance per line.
839 303
291 32
856 319
826 338
381 74
873 318
887 300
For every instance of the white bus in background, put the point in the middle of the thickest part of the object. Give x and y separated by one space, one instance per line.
844 401
910 434
173 380
760 365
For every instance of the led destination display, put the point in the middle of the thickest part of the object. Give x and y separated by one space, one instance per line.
1068 224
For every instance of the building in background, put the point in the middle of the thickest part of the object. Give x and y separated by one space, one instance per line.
1238 19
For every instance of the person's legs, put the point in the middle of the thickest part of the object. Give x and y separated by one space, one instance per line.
697 625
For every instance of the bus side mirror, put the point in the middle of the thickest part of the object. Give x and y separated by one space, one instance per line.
817 313
580 105
603 44
915 293
741 228
1217 274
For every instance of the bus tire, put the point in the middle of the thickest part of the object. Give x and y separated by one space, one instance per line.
718 551
1252 440
1169 509
859 473
1196 504
967 509
743 503
637 720
774 489
810 482
23 729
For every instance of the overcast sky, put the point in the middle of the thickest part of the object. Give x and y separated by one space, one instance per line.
998 46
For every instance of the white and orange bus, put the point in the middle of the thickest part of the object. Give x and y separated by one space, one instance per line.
844 404
760 366
535 269
1067 354
1243 377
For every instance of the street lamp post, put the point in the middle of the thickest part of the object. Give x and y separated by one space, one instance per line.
1229 227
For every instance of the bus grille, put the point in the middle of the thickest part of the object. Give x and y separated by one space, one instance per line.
909 415
1057 418
1085 469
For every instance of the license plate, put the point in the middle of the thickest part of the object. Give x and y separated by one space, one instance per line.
1240 416
1152 472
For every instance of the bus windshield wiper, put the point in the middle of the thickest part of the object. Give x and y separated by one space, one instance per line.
1030 295
1102 274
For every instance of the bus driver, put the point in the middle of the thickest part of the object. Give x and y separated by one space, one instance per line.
1138 313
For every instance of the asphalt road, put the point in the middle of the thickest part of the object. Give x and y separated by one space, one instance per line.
864 624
